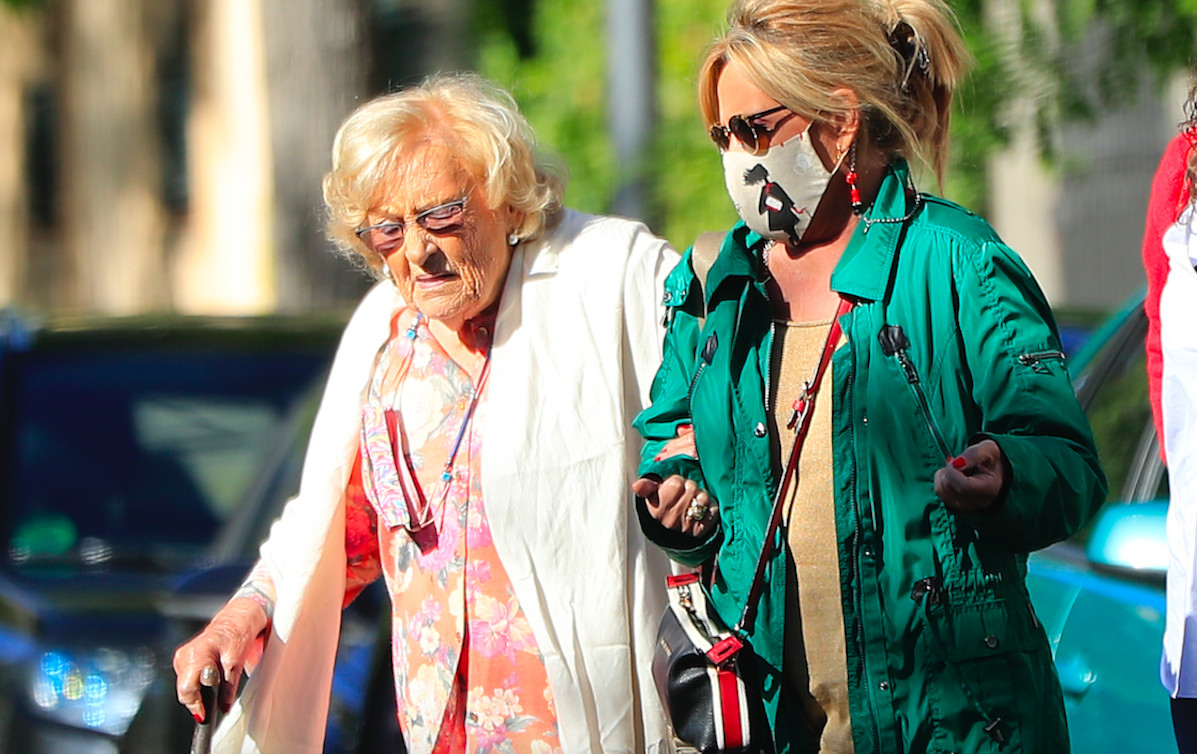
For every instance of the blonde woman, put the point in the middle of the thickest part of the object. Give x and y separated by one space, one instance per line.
472 449
945 443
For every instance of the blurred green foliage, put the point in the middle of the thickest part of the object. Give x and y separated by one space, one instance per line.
1060 59
560 83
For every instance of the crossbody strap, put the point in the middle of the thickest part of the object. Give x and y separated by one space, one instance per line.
803 413
702 255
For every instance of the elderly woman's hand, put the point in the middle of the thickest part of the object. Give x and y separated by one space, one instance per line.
973 481
678 504
682 445
224 644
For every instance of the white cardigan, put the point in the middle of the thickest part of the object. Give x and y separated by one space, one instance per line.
1178 404
577 343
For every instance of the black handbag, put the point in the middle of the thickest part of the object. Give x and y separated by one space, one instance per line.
704 675
705 672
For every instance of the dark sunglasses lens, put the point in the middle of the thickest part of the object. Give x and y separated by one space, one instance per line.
718 135
743 131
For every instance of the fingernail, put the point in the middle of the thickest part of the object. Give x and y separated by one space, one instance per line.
198 718
959 462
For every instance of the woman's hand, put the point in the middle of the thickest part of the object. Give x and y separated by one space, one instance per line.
682 445
972 481
678 504
224 644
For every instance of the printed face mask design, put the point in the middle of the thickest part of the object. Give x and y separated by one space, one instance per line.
777 193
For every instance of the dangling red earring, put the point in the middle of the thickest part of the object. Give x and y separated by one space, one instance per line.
853 190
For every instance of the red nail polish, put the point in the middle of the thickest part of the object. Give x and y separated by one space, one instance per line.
959 462
198 719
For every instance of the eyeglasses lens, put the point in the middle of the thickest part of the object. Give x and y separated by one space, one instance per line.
442 218
385 238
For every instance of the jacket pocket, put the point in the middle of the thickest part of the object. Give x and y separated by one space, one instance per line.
895 344
991 685
1039 361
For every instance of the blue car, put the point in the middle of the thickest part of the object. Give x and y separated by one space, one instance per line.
140 462
1100 595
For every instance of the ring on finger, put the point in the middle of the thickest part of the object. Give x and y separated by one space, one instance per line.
697 512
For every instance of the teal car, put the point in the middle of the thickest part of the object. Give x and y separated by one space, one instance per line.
1100 595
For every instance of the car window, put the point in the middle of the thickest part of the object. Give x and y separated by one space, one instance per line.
141 455
1113 390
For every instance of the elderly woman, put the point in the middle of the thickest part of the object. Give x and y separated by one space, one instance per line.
945 442
472 448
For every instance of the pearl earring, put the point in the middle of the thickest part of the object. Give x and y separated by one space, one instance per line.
513 239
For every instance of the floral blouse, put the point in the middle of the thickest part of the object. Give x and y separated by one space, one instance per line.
468 673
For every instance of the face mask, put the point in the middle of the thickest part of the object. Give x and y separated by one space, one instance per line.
777 193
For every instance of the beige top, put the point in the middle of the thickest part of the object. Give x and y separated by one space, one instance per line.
816 666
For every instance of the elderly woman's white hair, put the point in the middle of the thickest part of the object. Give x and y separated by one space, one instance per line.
476 119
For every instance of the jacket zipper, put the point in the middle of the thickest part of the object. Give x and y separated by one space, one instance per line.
705 357
856 571
895 343
1036 360
694 381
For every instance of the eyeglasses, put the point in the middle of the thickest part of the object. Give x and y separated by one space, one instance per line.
744 128
385 238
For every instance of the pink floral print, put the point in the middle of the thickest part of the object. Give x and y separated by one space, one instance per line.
468 673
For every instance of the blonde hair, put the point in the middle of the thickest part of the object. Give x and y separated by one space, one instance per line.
902 58
477 120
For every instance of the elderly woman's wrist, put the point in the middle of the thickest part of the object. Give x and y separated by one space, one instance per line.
257 595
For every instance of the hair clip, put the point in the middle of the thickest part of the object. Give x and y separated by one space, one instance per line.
911 49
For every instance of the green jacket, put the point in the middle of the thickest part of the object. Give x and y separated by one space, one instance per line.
942 641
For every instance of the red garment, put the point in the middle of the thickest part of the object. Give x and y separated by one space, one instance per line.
1169 195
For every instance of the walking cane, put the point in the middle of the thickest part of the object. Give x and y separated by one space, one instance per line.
201 740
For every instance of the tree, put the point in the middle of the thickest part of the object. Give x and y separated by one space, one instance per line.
18 43
111 218
1025 51
316 68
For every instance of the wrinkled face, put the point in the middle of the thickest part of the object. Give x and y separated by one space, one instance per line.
452 274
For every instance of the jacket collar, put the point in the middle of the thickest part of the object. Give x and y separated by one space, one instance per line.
864 270
544 254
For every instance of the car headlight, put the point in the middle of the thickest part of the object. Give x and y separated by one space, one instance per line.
97 689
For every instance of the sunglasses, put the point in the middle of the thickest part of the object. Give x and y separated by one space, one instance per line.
385 238
745 129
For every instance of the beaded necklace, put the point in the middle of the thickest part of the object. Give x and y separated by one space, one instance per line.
420 512
870 222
